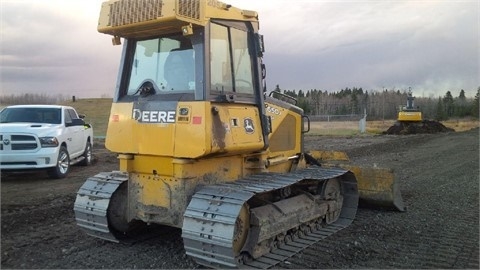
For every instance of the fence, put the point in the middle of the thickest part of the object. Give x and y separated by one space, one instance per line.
336 118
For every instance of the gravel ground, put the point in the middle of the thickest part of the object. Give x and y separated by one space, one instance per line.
438 176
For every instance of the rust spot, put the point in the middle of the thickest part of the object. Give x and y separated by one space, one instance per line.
218 132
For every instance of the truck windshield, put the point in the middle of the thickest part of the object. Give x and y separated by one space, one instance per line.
31 115
163 65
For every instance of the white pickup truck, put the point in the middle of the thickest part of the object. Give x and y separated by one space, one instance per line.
51 137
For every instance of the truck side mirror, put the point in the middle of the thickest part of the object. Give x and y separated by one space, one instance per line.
75 122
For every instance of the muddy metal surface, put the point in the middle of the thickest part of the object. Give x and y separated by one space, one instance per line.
438 176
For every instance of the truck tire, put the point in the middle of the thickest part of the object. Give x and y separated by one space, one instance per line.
62 166
87 155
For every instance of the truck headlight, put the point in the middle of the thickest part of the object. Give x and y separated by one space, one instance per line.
48 141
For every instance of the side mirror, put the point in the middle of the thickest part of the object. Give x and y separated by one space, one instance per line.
76 122
81 115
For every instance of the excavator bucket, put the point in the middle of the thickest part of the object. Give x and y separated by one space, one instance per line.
376 186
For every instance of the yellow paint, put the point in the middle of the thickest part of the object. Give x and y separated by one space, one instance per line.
375 185
207 129
209 143
327 155
285 138
154 190
120 18
120 129
161 196
410 116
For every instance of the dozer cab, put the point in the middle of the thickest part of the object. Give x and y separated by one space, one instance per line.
201 146
408 113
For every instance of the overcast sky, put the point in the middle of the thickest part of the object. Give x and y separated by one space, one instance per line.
52 46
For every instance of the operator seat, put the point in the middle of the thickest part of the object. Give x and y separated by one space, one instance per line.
178 70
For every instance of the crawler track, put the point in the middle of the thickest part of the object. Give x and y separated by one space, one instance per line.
210 219
91 204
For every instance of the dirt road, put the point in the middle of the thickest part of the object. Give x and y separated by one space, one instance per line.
438 176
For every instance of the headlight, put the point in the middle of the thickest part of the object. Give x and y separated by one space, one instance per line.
48 141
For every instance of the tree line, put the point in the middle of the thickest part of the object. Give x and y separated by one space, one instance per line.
349 101
383 104
33 98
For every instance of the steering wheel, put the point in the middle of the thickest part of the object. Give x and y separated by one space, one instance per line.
147 87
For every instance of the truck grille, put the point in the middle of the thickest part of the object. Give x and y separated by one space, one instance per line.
17 142
126 12
189 8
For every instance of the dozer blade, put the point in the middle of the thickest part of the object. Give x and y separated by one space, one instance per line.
376 186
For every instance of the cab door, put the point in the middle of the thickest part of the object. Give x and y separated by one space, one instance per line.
74 134
234 73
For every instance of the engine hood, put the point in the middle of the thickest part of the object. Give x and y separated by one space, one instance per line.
38 129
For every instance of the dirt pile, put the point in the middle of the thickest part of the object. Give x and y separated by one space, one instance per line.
426 126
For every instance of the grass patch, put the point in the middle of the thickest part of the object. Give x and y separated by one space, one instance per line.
351 128
348 128
462 124
97 111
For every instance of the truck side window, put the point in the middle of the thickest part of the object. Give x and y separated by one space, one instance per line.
67 117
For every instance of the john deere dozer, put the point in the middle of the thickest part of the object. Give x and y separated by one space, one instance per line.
202 147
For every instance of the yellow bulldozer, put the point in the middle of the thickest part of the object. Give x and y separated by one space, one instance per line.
202 147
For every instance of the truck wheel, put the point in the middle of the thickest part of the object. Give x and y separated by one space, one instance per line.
63 164
87 155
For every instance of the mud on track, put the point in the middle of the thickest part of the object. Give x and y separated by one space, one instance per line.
438 176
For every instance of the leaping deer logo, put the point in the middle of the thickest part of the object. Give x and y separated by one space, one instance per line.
248 125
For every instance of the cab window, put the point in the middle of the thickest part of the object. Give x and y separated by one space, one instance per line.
167 63
230 61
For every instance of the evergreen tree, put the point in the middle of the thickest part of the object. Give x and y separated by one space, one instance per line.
476 105
302 103
440 110
461 105
354 103
314 97
300 93
291 93
448 104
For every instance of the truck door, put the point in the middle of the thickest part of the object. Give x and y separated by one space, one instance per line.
74 134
